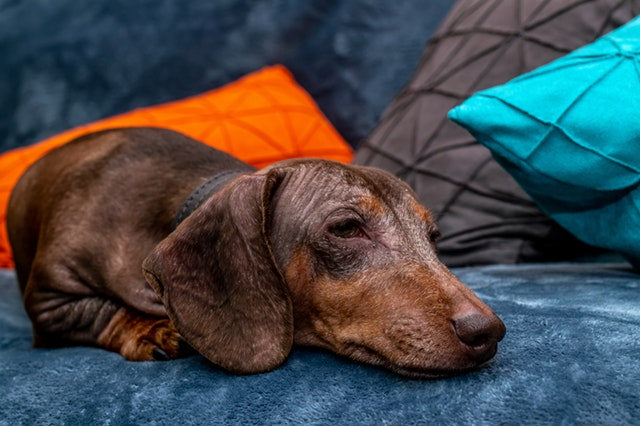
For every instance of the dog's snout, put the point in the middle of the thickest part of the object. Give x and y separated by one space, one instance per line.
478 330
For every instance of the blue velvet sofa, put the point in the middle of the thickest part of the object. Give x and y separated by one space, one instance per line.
571 354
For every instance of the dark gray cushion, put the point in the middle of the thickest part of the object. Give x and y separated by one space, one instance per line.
484 216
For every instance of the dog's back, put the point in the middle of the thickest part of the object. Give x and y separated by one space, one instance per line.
115 193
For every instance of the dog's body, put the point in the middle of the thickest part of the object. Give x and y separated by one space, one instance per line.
305 251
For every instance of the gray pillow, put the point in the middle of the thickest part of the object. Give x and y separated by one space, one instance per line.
484 216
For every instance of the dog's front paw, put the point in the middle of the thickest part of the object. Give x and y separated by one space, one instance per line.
158 340
138 337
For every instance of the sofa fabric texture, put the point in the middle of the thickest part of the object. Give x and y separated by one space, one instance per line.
67 63
570 356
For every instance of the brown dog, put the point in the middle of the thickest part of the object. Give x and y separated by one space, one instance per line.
305 251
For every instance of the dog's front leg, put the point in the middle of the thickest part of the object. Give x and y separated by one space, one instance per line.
65 310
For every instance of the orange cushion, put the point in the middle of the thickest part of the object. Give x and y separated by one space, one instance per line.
262 118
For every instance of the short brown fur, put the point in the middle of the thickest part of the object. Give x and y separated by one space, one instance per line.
305 252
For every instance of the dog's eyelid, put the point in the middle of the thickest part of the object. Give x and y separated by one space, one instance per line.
347 228
346 214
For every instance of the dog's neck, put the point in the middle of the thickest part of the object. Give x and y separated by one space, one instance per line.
204 191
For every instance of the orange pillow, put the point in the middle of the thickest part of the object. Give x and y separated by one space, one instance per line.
262 118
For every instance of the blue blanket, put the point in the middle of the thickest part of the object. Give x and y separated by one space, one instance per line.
571 355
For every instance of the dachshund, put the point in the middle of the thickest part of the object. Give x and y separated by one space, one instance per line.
150 244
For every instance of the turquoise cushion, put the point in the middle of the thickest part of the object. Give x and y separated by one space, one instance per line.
569 133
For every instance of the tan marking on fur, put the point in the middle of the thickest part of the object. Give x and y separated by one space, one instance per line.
397 317
421 211
373 205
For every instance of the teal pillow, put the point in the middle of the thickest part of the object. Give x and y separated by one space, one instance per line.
569 133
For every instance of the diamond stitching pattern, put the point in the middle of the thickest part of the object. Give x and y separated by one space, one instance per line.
481 43
568 133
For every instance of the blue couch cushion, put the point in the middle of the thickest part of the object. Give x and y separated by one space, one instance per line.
569 133
570 356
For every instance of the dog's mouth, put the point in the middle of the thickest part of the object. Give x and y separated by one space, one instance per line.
362 353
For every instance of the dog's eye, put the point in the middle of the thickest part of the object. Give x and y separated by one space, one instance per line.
434 235
346 229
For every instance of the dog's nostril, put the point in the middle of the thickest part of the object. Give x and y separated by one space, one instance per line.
476 329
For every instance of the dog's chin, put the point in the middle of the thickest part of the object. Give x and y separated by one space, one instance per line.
367 355
419 373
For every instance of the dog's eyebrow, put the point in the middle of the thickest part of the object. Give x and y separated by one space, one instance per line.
371 204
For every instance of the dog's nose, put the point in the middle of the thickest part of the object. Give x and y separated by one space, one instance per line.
478 330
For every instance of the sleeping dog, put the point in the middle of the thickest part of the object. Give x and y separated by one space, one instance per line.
147 243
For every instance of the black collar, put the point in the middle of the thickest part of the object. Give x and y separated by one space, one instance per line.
206 189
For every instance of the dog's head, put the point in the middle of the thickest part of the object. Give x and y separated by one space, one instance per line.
323 254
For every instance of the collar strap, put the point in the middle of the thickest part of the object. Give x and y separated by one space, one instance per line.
206 189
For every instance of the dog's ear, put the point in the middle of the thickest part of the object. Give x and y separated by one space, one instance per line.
219 281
